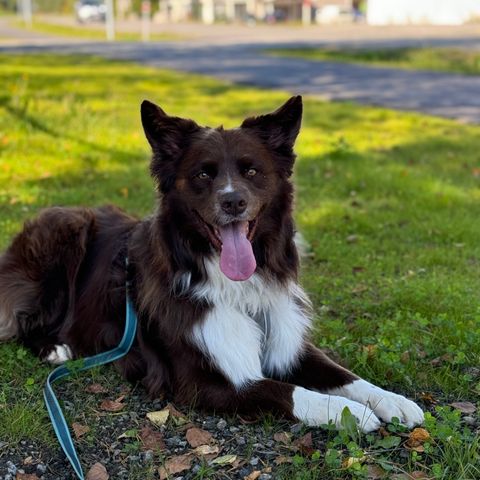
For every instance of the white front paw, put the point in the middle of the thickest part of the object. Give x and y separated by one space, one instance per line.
386 405
316 409
392 405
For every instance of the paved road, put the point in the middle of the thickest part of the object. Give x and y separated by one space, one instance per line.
454 96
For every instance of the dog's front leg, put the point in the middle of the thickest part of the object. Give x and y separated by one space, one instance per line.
282 399
316 371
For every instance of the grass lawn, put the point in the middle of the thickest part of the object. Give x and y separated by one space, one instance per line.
388 201
437 59
89 33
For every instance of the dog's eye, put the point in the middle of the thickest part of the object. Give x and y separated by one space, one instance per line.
250 172
203 175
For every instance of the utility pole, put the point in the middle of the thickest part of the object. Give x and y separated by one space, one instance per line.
27 12
109 21
146 19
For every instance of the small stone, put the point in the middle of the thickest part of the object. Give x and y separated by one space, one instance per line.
8 476
240 441
265 476
11 468
234 429
222 424
41 468
297 428
254 461
244 472
148 456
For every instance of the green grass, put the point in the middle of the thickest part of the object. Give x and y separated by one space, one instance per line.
437 59
89 33
388 201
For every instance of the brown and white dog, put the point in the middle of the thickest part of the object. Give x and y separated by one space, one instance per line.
223 322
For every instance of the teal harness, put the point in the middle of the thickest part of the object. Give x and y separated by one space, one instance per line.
58 420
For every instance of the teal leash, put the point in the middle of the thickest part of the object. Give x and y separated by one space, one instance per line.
56 416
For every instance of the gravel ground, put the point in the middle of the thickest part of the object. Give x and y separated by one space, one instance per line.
113 427
118 440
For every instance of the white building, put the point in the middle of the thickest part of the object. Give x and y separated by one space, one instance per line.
435 12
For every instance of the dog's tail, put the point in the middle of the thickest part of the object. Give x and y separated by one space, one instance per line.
8 322
8 299
17 295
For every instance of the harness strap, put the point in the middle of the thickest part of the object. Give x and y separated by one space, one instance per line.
58 420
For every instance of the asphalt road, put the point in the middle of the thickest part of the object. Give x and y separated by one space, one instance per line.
448 95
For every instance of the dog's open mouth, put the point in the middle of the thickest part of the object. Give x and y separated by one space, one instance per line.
234 242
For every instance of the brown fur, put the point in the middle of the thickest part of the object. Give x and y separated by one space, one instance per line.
62 280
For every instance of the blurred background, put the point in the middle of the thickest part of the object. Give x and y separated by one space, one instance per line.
148 16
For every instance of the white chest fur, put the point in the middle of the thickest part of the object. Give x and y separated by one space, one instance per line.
254 329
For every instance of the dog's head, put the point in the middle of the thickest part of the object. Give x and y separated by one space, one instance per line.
225 184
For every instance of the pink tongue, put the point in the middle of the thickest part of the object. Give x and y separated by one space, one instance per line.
237 261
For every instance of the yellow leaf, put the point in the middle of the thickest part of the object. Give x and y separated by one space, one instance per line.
224 460
159 418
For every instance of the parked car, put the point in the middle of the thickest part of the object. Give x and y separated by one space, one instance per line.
90 11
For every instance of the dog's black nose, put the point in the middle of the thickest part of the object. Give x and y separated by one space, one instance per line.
233 203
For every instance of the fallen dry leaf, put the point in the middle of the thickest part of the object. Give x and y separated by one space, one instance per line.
427 397
178 417
359 289
305 444
97 472
349 461
375 472
253 476
418 475
464 407
26 476
417 437
80 429
173 411
282 437
197 436
440 360
384 432
28 461
151 439
159 417
175 465
203 450
417 448
358 269
224 460
405 357
282 459
95 388
112 405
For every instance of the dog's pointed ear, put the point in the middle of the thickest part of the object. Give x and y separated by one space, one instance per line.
280 128
169 137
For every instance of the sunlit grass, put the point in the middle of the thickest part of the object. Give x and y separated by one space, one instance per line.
388 201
